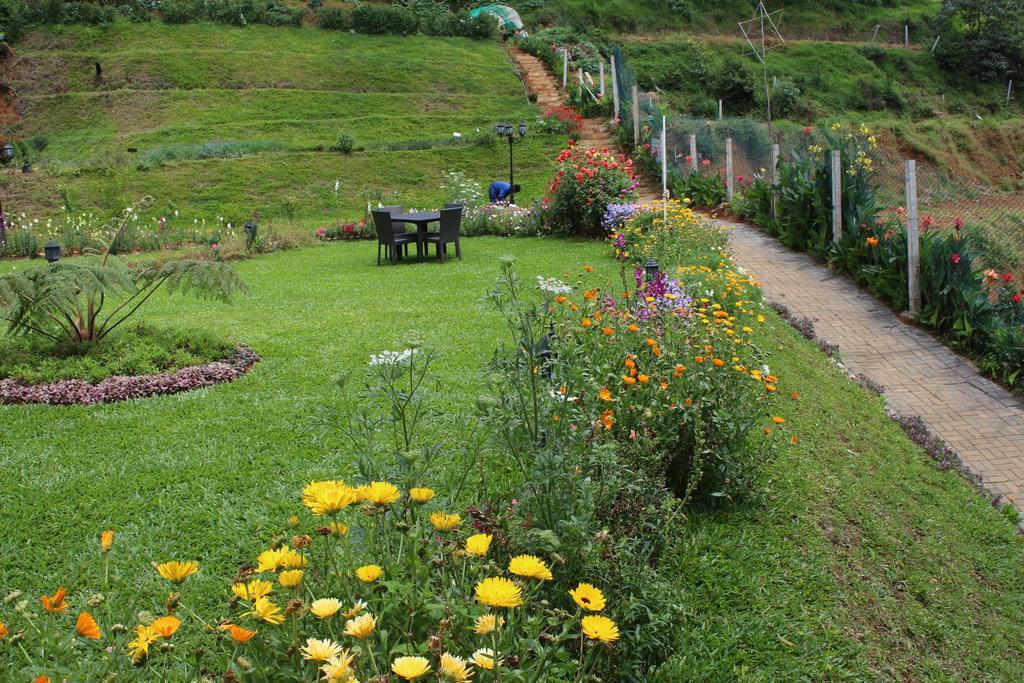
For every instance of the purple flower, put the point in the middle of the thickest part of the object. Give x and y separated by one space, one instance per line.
615 215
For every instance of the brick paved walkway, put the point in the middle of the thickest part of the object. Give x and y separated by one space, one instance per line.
976 417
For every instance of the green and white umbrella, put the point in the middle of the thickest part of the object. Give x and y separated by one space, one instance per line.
508 18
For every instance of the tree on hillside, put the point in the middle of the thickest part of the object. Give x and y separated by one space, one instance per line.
982 39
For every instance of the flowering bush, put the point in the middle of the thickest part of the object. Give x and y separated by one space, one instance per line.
345 232
562 120
586 182
704 186
685 237
503 219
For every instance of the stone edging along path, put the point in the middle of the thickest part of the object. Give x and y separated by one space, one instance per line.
122 388
977 418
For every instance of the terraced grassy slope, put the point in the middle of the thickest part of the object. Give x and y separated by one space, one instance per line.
286 94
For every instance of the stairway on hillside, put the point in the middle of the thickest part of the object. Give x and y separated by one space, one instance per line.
595 132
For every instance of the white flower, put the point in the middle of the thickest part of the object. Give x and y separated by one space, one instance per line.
391 357
456 135
553 285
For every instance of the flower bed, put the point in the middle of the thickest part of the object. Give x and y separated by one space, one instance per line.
586 182
121 388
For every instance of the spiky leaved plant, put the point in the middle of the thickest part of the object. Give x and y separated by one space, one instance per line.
83 301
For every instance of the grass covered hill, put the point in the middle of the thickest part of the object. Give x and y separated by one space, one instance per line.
227 120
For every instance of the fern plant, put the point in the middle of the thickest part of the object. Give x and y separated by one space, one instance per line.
85 300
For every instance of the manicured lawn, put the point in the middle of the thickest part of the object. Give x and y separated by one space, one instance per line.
859 560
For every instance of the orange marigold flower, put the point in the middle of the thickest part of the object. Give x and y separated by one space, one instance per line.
718 362
630 363
794 440
629 380
770 387
767 430
650 342
698 359
166 626
794 395
778 420
560 299
633 327
238 634
586 322
43 678
609 331
55 602
589 269
107 540
608 419
688 402
87 627
605 393
643 378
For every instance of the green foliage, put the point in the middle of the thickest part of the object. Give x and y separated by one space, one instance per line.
334 18
383 19
346 143
982 39
140 350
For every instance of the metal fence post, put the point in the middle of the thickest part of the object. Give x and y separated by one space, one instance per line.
719 109
693 152
600 66
615 91
913 240
775 178
728 169
837 195
636 116
565 67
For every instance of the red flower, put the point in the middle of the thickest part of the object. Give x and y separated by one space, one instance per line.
1016 298
958 223
956 258
1007 278
807 130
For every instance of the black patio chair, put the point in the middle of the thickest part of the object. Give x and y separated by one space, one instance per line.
392 241
401 226
454 205
451 219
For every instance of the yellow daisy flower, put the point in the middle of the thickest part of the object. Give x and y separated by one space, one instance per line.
455 669
588 597
328 497
325 608
600 628
381 493
291 578
369 573
177 572
267 611
252 591
530 567
499 592
478 544
144 637
444 522
484 658
361 627
410 667
487 624
357 608
320 650
421 494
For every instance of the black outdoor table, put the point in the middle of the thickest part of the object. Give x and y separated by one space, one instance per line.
420 219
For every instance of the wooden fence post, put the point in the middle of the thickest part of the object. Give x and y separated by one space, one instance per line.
913 240
693 152
837 195
636 116
615 92
728 169
600 66
565 67
775 178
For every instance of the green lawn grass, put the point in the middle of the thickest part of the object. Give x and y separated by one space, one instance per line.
859 560
286 93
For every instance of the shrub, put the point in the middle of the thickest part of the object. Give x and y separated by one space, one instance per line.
586 182
384 19
507 220
88 13
346 143
334 18
704 187
562 120
14 19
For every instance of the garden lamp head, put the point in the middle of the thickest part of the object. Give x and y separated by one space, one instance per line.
651 268
8 151
522 128
52 251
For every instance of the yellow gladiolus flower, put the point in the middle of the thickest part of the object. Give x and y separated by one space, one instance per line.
107 540
484 658
487 624
361 627
600 628
421 494
381 493
267 611
177 572
325 608
369 573
499 592
410 667
320 650
478 544
455 669
166 626
444 522
530 567
252 591
588 597
291 578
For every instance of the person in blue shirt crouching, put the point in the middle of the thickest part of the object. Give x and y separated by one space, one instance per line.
500 191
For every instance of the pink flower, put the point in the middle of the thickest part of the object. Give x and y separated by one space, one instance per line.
956 258
958 223
807 130
215 246
706 163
